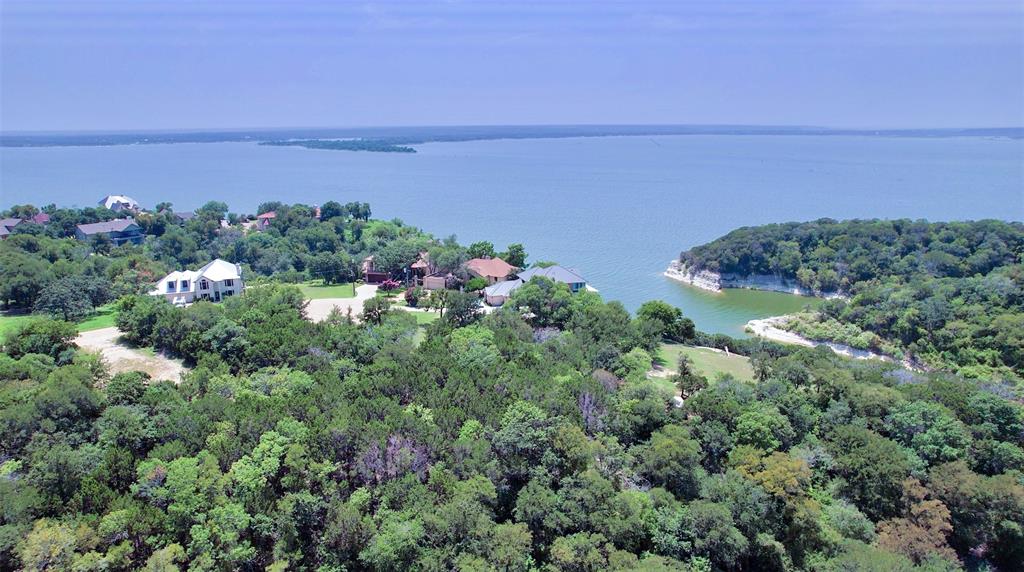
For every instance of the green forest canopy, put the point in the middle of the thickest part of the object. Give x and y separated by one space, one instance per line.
527 439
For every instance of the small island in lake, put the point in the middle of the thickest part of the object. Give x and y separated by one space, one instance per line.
374 145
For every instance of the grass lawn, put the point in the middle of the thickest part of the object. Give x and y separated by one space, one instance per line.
316 289
426 318
9 321
103 318
664 384
707 361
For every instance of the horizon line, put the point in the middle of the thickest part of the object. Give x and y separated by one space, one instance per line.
197 130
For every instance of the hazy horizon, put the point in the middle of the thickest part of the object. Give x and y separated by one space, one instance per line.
285 128
115 66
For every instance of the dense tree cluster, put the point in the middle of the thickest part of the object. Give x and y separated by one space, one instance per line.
44 269
527 439
949 295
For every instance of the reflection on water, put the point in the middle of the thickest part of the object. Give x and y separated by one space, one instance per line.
727 311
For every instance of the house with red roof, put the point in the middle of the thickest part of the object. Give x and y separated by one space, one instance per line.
263 221
490 269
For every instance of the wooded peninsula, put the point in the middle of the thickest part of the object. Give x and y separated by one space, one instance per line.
947 295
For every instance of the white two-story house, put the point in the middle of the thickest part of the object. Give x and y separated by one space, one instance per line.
215 281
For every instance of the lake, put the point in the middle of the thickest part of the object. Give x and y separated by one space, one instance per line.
618 209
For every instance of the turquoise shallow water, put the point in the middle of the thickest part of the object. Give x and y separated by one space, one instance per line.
616 208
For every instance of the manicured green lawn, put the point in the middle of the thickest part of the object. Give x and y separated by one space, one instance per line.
316 289
9 321
103 318
708 362
426 318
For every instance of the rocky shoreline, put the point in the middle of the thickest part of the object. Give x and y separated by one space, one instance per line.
773 329
715 282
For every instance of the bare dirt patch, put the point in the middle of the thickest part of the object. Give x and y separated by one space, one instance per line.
121 358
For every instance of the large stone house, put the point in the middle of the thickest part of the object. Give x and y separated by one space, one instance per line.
215 281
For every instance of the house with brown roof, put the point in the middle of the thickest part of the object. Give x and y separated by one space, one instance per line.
263 221
422 266
490 269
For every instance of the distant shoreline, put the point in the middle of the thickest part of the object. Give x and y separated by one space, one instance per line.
391 139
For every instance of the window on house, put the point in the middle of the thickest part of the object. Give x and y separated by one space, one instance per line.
170 286
184 284
229 282
204 285
228 293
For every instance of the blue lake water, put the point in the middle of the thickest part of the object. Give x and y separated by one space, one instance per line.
616 208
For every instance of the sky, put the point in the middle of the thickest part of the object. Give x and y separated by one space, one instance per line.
206 64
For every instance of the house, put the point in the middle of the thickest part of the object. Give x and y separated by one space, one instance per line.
215 281
119 231
118 203
184 216
263 221
438 281
557 273
370 273
497 294
7 226
492 270
422 266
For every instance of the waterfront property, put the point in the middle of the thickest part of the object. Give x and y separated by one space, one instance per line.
118 203
214 281
557 273
490 269
119 231
499 292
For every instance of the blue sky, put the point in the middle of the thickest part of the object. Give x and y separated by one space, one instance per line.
120 65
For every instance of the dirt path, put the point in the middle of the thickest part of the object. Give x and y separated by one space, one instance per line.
121 358
318 310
